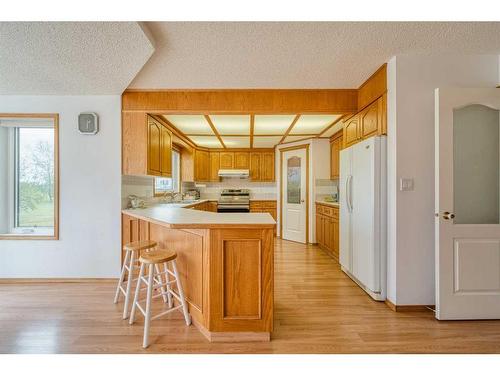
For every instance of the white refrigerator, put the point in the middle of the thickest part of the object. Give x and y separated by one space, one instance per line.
363 215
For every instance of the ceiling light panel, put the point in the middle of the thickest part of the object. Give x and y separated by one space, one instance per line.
236 142
272 124
231 124
313 124
265 142
334 129
190 124
206 141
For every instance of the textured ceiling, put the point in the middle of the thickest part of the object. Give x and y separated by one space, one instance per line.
76 58
297 55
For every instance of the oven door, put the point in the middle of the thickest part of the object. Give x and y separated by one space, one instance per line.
232 208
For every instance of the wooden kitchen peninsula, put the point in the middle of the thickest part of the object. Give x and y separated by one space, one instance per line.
225 262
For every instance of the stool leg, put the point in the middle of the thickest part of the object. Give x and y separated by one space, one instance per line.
147 318
187 317
167 278
160 280
122 276
129 284
136 295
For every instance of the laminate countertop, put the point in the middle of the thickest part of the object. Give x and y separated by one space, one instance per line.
179 216
331 204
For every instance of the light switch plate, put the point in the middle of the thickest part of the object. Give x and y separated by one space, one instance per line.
406 184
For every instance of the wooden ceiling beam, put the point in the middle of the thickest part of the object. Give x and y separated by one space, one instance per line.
296 118
252 124
209 120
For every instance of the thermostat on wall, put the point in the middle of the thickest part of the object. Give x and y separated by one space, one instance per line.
88 123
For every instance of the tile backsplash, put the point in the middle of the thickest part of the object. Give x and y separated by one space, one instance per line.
142 186
258 190
324 188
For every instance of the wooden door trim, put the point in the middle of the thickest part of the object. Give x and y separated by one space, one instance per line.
282 150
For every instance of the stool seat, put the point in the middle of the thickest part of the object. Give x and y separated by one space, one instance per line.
158 256
140 245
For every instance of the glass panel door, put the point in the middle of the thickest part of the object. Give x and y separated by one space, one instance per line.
476 164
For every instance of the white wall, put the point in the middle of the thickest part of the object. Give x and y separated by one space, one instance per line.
90 177
411 83
319 168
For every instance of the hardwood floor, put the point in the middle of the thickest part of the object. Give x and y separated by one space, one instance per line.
317 310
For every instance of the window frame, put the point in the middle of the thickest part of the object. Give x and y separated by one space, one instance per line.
162 192
37 236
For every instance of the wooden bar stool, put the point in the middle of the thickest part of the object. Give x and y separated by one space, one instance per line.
152 260
132 252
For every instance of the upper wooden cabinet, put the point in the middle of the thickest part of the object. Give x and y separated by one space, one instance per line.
214 165
370 121
146 146
335 147
255 158
351 131
267 166
241 160
201 165
226 160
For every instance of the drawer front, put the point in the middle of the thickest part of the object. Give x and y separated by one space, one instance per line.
319 209
328 211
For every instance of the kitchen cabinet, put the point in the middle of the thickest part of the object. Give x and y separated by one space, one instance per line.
265 206
226 160
146 146
201 165
370 121
267 166
327 229
241 160
214 166
255 158
335 147
351 131
133 229
166 152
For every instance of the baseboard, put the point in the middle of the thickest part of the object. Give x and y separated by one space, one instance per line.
16 280
408 308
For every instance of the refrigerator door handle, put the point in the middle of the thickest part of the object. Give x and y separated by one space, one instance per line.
348 185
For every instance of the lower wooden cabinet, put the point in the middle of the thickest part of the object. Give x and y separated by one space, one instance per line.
269 207
133 229
327 229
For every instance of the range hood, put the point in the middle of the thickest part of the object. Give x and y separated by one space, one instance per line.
234 173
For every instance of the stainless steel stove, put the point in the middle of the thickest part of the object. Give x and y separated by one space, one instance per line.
234 200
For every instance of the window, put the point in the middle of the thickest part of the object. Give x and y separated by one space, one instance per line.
162 185
29 169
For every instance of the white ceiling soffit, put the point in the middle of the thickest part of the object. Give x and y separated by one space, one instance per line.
71 58
297 54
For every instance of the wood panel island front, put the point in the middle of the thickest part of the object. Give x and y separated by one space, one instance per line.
225 262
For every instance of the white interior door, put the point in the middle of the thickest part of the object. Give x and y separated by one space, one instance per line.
294 195
467 203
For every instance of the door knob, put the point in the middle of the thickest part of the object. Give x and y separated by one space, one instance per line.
448 215
301 201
